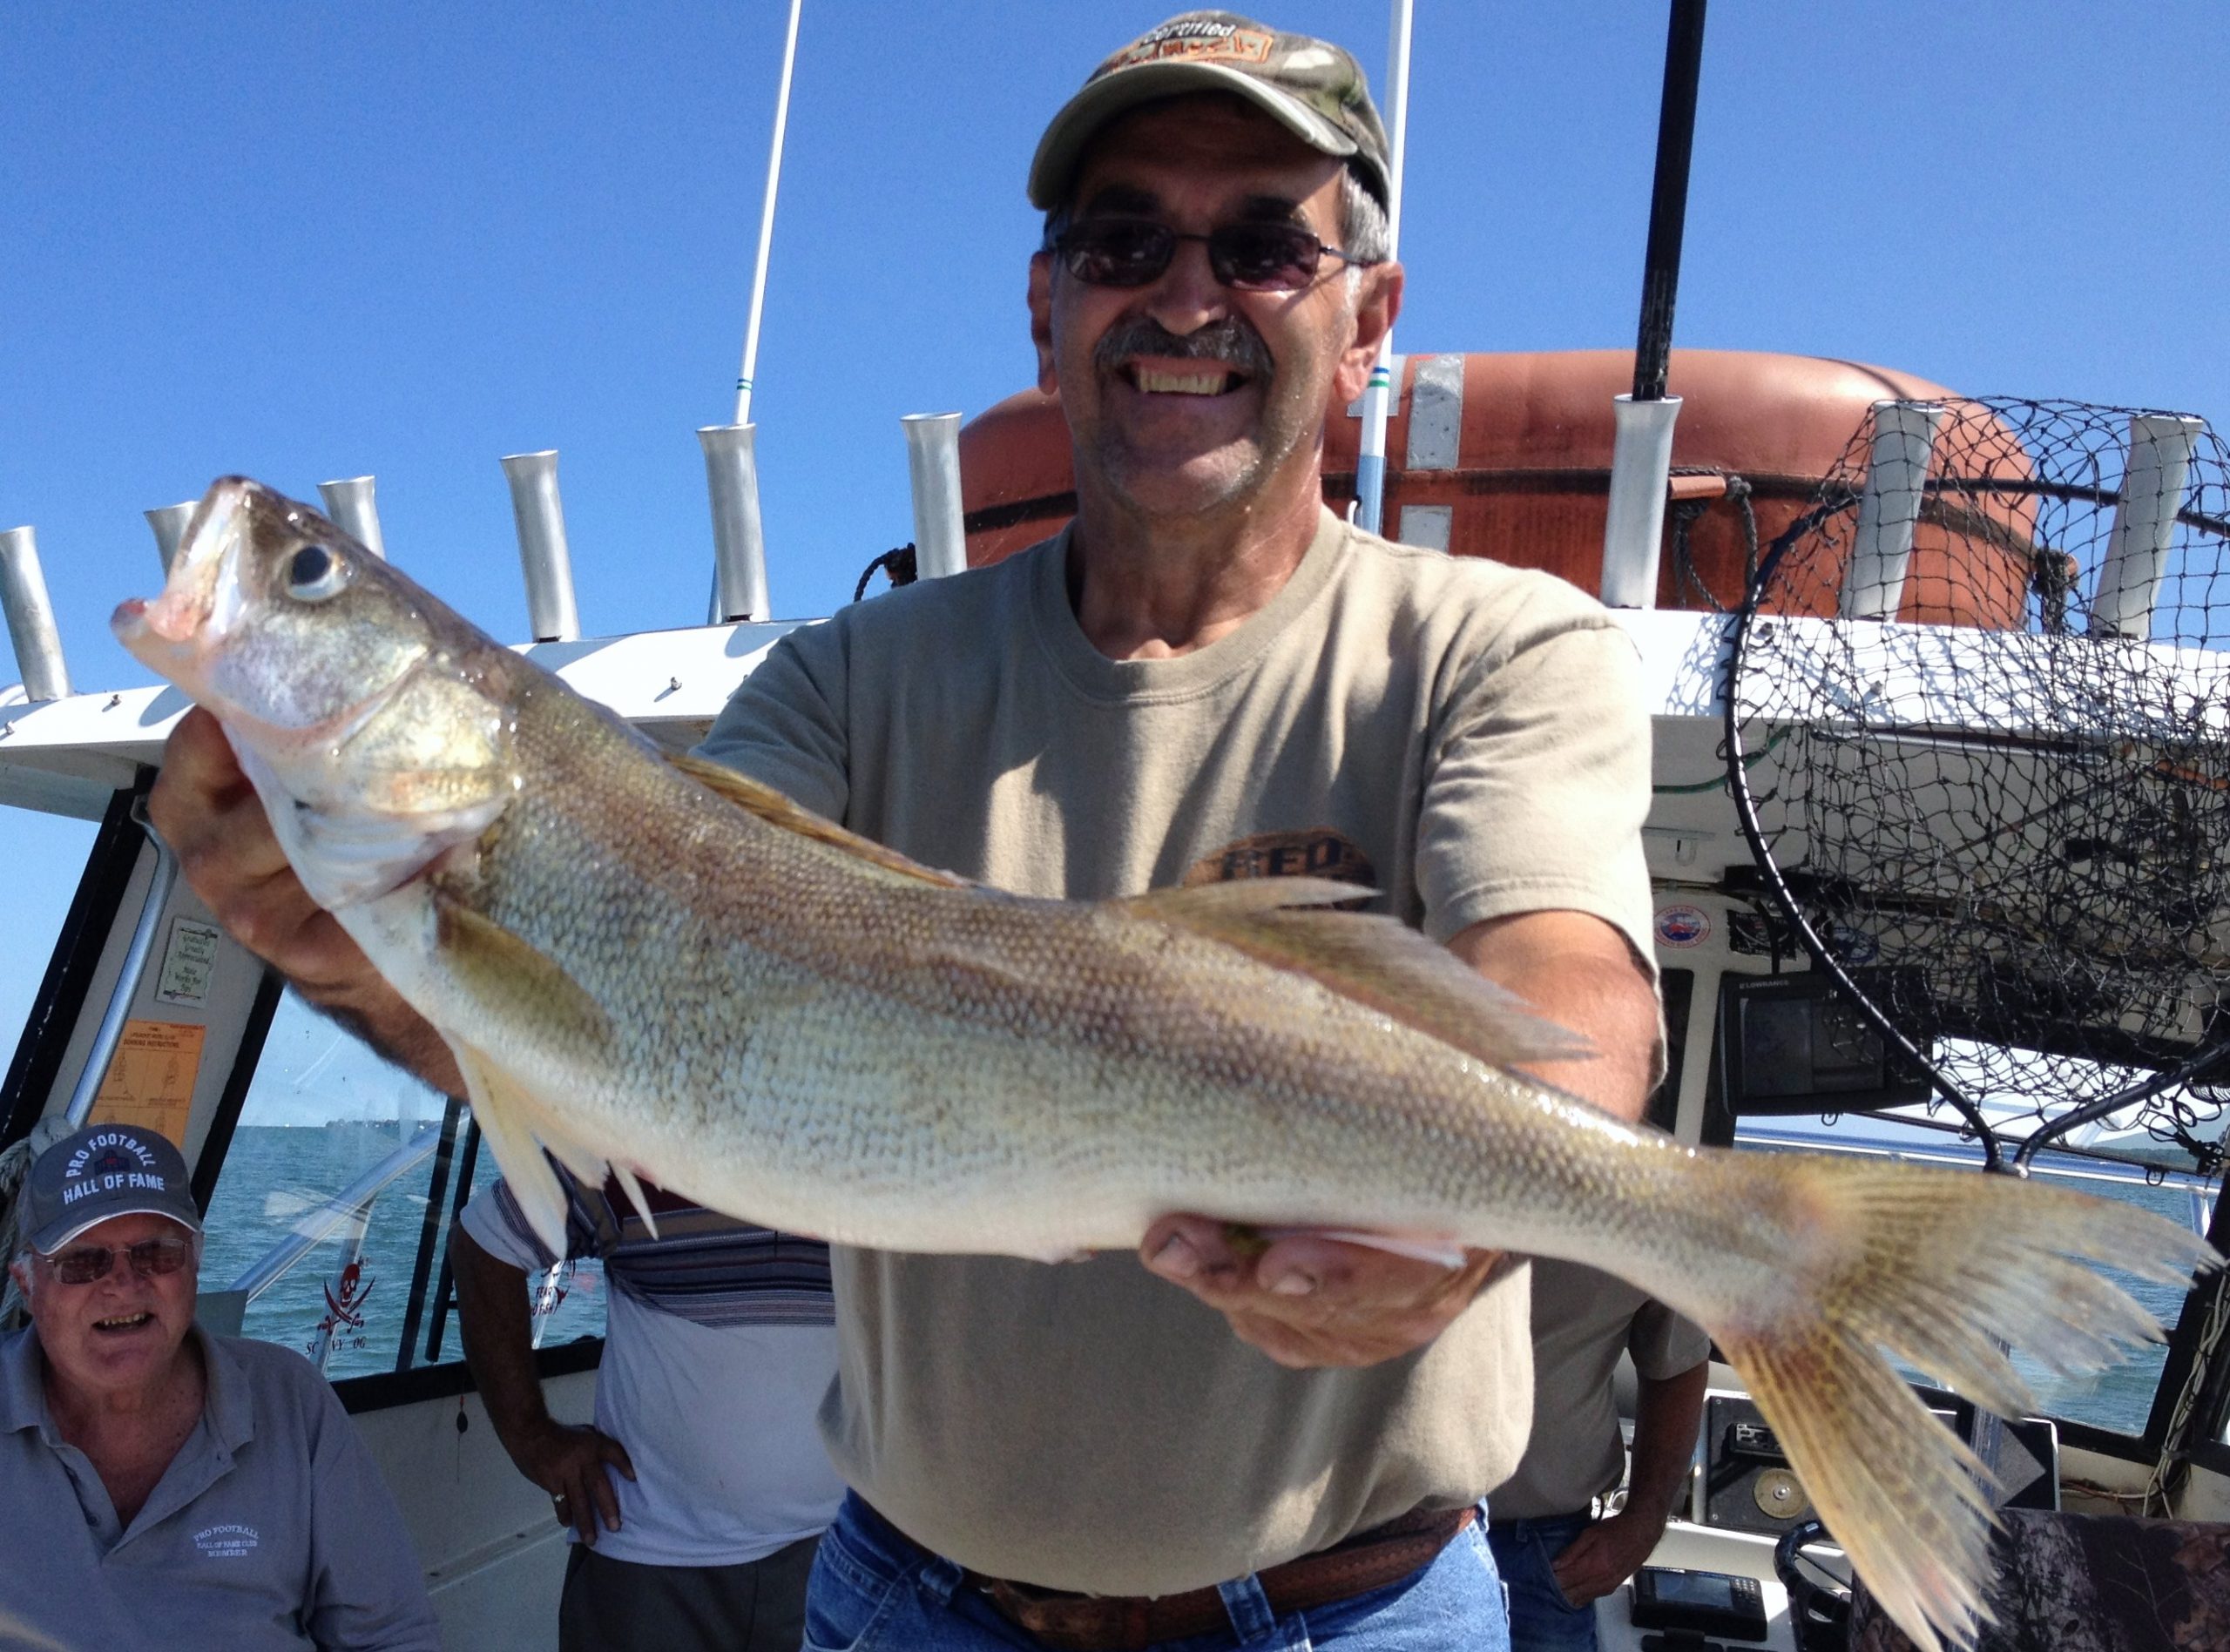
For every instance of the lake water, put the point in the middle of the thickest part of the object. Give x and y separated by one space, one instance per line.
272 1175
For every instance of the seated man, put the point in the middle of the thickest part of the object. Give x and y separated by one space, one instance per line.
166 1487
697 1498
1554 1556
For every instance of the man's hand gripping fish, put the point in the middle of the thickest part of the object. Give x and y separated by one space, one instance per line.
661 968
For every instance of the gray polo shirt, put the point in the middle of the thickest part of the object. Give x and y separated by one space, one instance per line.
1583 1320
271 1529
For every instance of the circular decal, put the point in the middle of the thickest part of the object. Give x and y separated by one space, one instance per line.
1683 925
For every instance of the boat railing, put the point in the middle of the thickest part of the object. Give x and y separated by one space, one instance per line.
349 1212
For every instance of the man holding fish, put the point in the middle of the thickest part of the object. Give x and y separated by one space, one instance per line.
954 955
1208 659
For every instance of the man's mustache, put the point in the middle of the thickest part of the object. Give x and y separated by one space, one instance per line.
1230 340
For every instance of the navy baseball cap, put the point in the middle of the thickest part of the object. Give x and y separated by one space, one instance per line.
1313 89
101 1171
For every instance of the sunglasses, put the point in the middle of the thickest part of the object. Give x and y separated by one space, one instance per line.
1267 257
83 1263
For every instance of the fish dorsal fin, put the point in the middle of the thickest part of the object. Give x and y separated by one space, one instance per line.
773 807
1375 960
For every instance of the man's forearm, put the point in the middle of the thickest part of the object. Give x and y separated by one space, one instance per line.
395 1031
1578 972
1667 1413
491 1303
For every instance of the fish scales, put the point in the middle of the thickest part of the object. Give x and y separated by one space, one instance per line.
657 969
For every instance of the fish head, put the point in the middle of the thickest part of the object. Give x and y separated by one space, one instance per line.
372 720
274 616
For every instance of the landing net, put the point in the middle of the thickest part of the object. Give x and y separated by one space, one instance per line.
1979 721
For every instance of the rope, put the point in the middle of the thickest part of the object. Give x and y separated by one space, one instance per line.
897 563
1688 581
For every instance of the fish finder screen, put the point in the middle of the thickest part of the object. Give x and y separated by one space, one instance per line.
1695 1588
1667 1597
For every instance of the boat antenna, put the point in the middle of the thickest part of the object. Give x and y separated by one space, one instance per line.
767 225
731 454
1378 395
1641 453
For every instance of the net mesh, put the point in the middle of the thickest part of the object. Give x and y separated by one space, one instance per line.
2007 817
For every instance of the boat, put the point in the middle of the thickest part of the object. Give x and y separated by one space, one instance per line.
133 1004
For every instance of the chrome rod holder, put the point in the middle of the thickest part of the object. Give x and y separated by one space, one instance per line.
2155 469
739 535
349 502
1889 511
543 555
1633 518
31 617
168 524
933 462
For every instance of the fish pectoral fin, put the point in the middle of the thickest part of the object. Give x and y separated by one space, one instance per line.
636 1197
1377 962
514 978
773 807
506 1124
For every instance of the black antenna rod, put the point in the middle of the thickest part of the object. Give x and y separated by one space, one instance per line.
1668 198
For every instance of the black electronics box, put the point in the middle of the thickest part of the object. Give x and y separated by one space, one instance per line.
1668 1597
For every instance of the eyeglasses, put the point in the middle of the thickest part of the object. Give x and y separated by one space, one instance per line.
1267 257
83 1263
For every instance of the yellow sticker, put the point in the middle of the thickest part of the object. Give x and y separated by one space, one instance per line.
150 1082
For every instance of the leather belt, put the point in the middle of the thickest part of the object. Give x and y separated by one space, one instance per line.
1367 1560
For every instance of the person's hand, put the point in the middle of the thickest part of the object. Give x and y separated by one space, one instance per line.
1306 1300
208 811
573 1465
1605 1555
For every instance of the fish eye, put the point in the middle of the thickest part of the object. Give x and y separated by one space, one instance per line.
314 573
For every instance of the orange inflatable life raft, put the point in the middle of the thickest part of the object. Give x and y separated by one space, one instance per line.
1508 455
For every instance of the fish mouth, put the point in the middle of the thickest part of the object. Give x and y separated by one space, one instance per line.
201 600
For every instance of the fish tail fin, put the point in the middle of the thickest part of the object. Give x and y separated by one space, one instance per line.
1945 1270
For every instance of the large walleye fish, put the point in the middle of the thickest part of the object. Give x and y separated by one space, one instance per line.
660 967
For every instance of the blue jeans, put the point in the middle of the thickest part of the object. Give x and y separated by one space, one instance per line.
875 1590
1541 1619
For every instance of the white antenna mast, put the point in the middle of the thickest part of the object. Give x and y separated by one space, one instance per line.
767 225
1377 398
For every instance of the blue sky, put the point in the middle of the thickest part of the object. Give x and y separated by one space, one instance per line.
305 241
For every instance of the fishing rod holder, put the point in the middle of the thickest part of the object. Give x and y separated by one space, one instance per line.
1633 524
1889 511
349 502
551 615
933 462
168 522
31 617
738 534
2156 470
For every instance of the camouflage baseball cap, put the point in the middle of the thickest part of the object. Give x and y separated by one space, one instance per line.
1312 88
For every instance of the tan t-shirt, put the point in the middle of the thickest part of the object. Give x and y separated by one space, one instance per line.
1583 1320
1468 739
